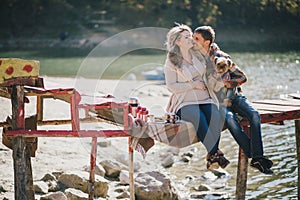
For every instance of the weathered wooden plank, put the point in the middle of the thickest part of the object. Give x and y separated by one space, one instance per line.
297 135
19 81
295 95
40 108
19 168
131 170
242 172
68 133
21 156
269 117
282 102
277 108
268 112
92 168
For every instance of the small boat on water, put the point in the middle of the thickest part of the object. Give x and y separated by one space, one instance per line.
156 74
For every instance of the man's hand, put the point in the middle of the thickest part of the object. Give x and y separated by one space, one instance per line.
214 47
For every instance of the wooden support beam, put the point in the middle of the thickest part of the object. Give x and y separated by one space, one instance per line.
29 178
92 168
23 181
242 171
39 107
297 134
67 133
131 171
65 121
74 111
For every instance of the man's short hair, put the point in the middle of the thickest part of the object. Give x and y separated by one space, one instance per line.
207 33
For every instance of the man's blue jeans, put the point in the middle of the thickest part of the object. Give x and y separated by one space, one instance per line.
206 120
253 146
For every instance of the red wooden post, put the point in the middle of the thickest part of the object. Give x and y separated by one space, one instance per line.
92 168
131 171
39 108
74 111
297 132
241 179
22 169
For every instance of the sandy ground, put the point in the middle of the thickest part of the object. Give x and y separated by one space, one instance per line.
64 154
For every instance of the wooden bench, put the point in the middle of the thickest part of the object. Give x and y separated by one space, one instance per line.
18 89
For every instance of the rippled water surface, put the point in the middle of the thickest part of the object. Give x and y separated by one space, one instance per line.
270 76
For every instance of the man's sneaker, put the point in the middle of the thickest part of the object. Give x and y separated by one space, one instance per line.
216 160
267 162
223 162
262 165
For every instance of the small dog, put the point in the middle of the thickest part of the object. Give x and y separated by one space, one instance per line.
223 64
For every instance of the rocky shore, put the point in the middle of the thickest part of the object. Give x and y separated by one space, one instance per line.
61 165
62 172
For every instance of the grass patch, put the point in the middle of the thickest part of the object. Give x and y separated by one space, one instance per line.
104 67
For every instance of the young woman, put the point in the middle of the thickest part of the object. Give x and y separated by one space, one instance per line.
191 100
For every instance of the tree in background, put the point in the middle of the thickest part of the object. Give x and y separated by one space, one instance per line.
50 17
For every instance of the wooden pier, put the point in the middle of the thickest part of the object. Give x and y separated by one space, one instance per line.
271 111
18 88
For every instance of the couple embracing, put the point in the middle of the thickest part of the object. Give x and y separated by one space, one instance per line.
204 83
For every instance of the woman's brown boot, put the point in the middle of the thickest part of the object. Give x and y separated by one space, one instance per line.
216 160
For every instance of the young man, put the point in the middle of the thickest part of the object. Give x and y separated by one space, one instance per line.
253 147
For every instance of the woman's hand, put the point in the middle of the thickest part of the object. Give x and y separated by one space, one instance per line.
200 85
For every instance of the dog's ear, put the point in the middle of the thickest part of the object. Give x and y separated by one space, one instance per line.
215 60
229 62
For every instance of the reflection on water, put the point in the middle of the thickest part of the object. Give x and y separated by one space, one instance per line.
270 76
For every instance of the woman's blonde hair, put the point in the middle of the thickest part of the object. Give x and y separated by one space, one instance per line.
173 49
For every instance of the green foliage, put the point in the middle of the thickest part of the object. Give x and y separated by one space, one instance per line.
273 22
30 17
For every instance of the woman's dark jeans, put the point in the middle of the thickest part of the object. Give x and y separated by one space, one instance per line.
253 146
206 119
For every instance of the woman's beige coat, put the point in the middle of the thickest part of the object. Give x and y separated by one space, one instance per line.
179 83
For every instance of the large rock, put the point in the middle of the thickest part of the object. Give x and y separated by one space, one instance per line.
168 160
40 187
2 189
124 159
51 181
48 177
154 186
99 170
103 142
124 177
113 168
53 186
210 195
203 187
74 194
80 181
54 196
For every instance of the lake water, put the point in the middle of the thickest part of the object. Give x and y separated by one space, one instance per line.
270 76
